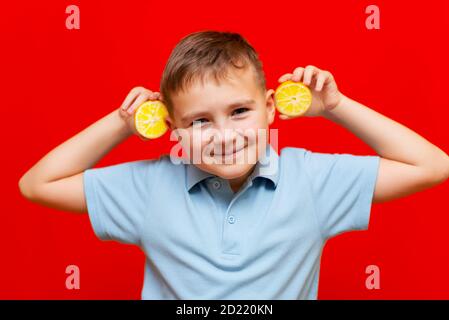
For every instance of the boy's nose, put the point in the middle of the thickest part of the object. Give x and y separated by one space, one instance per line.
228 141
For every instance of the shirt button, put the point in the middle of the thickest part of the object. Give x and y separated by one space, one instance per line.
231 219
216 184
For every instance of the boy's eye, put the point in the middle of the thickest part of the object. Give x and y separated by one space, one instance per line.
200 121
240 110
204 120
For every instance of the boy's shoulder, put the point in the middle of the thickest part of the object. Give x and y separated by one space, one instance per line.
293 155
161 160
310 154
314 161
162 164
292 151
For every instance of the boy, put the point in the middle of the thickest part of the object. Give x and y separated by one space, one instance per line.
232 231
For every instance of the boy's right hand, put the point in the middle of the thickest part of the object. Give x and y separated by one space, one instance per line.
133 100
57 183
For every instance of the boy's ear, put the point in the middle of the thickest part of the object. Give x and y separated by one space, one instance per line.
170 123
271 106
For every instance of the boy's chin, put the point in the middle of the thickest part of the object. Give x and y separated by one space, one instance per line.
230 171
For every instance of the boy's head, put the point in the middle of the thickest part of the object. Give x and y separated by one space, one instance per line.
214 88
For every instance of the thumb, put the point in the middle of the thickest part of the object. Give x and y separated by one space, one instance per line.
284 117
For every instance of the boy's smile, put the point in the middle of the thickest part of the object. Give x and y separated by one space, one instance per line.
226 123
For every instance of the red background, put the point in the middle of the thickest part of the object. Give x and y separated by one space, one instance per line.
55 82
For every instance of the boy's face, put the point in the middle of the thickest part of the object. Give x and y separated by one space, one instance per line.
221 124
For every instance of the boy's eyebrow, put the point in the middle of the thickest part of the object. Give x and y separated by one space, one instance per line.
229 106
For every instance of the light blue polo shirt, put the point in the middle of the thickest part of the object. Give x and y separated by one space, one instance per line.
202 241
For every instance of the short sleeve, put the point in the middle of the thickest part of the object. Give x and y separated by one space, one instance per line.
116 198
343 188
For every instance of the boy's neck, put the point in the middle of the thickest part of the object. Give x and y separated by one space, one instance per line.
237 183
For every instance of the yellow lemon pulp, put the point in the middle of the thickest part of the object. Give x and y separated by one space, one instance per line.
292 98
149 119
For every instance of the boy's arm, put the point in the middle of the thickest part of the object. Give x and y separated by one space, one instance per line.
57 179
409 163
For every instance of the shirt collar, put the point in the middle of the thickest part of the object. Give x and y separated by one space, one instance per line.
266 167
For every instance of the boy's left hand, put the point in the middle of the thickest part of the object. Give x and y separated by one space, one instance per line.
325 94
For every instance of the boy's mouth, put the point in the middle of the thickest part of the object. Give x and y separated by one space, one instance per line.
228 153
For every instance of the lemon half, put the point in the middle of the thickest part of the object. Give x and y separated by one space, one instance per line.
292 98
149 119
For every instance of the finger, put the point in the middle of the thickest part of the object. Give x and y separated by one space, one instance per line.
132 95
309 73
321 78
285 117
285 77
151 96
156 95
297 74
123 113
140 99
